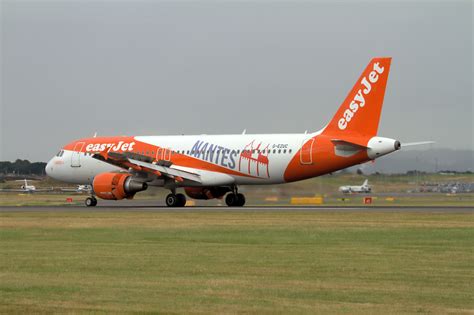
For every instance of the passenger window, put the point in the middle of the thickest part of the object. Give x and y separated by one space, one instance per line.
274 151
284 151
289 151
279 151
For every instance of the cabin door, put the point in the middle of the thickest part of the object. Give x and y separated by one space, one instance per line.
76 154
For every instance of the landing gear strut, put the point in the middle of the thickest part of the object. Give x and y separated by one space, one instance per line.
90 201
235 199
175 200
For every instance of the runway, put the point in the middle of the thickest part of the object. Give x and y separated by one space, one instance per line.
154 206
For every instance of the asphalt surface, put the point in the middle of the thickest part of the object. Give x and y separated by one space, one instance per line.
152 205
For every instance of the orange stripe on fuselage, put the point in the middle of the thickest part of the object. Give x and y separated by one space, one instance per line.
130 144
324 160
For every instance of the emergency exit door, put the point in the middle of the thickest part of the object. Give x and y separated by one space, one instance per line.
163 154
306 152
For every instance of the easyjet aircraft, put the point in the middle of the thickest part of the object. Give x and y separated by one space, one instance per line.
210 166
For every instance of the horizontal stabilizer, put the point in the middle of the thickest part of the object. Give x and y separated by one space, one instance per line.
352 143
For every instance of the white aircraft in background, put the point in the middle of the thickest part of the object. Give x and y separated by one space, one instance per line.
364 188
78 189
25 188
211 166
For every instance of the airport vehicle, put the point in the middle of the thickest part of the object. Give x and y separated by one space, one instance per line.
364 188
25 188
211 166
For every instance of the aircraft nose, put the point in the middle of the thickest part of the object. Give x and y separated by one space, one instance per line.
49 168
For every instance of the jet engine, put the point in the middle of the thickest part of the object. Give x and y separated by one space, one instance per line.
206 192
116 186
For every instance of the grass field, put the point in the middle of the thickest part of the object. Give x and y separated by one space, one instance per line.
237 262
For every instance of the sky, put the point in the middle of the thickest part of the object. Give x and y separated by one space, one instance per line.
73 68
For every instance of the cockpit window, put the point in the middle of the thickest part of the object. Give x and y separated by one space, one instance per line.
60 153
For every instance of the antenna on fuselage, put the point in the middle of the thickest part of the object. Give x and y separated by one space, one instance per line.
244 131
95 134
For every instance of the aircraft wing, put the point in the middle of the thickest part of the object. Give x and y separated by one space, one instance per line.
27 190
43 189
168 171
67 189
146 164
13 190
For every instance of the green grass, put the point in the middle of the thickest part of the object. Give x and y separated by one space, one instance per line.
237 262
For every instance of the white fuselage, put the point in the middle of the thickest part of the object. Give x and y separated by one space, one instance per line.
81 167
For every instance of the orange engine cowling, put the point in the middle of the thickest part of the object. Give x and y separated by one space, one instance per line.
116 186
206 192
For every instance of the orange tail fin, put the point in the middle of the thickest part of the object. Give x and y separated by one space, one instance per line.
359 114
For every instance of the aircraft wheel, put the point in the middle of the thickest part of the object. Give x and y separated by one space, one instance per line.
240 200
232 200
181 200
171 200
90 202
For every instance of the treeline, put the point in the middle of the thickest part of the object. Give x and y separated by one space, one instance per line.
22 167
415 172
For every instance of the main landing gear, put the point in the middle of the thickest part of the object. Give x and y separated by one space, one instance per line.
91 201
235 199
175 200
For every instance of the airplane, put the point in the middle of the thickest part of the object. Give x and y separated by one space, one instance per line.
214 166
78 189
25 188
364 188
